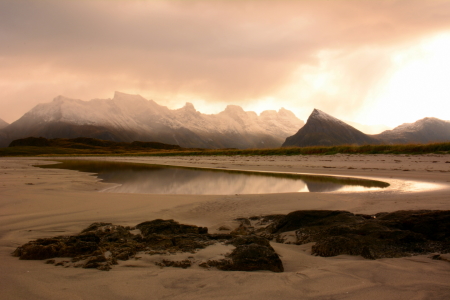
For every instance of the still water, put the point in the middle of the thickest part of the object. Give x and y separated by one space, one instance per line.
158 179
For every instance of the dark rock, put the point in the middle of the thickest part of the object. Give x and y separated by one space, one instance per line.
176 264
245 227
40 249
436 257
383 235
157 241
92 244
168 227
307 218
251 257
105 267
265 220
244 221
252 253
95 226
396 234
220 236
435 225
61 263
250 239
241 230
191 243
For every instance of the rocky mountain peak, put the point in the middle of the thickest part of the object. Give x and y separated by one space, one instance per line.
233 109
269 113
285 112
321 129
62 99
119 96
189 107
320 115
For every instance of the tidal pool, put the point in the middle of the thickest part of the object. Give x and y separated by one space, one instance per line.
161 179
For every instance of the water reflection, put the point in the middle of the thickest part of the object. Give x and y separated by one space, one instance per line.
156 179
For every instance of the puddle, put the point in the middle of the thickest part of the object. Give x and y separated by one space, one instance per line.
159 179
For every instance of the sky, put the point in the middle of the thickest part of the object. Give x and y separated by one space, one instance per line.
366 61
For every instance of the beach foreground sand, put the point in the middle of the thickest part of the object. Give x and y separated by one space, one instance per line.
39 203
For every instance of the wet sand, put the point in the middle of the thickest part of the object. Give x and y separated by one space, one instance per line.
48 202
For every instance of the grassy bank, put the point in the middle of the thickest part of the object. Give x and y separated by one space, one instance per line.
441 148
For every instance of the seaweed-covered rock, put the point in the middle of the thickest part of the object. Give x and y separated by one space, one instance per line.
40 249
184 264
434 225
165 227
249 239
252 253
89 246
101 245
383 235
393 234
307 218
252 257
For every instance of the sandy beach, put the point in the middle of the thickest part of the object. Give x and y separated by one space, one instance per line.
38 203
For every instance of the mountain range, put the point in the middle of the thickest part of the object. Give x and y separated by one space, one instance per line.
128 118
322 129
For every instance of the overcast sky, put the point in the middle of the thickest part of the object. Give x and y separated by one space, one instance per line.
372 62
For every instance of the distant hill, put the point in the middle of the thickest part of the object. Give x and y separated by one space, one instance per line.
321 129
89 143
3 124
127 118
426 130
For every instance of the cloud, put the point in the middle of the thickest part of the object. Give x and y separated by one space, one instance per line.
217 51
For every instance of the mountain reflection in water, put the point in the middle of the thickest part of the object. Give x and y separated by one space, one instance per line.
157 179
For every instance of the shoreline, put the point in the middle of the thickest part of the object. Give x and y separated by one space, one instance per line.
52 202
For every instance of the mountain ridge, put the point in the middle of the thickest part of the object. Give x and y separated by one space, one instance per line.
127 118
3 123
426 130
322 129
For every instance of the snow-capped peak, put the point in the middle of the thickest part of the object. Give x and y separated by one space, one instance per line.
320 115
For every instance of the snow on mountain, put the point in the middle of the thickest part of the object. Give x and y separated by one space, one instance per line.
131 117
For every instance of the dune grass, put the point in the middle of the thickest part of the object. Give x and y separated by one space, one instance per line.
440 148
